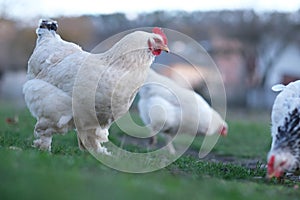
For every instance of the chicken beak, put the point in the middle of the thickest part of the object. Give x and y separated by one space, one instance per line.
165 48
274 173
271 175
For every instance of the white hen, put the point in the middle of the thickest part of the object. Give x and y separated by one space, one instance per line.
108 81
165 107
284 155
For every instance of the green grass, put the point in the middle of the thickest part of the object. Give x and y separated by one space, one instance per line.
68 173
245 139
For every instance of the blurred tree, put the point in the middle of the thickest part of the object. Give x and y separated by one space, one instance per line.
79 30
252 29
276 39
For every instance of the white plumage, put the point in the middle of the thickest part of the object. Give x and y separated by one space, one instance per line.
109 81
285 149
49 50
286 101
166 107
52 107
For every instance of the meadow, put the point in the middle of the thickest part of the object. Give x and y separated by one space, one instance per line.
235 169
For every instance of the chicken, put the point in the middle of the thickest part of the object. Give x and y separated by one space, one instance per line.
284 155
72 87
168 108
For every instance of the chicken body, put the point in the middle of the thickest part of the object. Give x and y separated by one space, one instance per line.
103 83
284 155
168 108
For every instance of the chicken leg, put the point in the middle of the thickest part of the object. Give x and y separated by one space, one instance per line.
92 139
43 135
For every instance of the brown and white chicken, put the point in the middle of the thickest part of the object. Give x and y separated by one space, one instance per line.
166 107
92 90
284 155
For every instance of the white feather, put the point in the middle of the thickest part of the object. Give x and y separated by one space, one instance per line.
49 50
182 108
158 113
286 101
46 101
278 87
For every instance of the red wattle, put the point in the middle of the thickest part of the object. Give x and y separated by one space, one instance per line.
156 52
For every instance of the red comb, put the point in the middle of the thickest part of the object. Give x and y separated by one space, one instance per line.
271 164
223 131
160 32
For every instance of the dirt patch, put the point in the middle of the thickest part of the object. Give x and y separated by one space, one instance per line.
250 163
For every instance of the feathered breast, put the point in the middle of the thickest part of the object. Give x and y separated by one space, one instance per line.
288 134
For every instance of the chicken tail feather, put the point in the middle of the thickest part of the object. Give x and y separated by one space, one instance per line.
49 24
278 87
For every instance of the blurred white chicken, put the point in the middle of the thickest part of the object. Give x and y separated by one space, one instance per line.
108 81
166 107
284 155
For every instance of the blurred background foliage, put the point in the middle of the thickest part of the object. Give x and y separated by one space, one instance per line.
249 47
